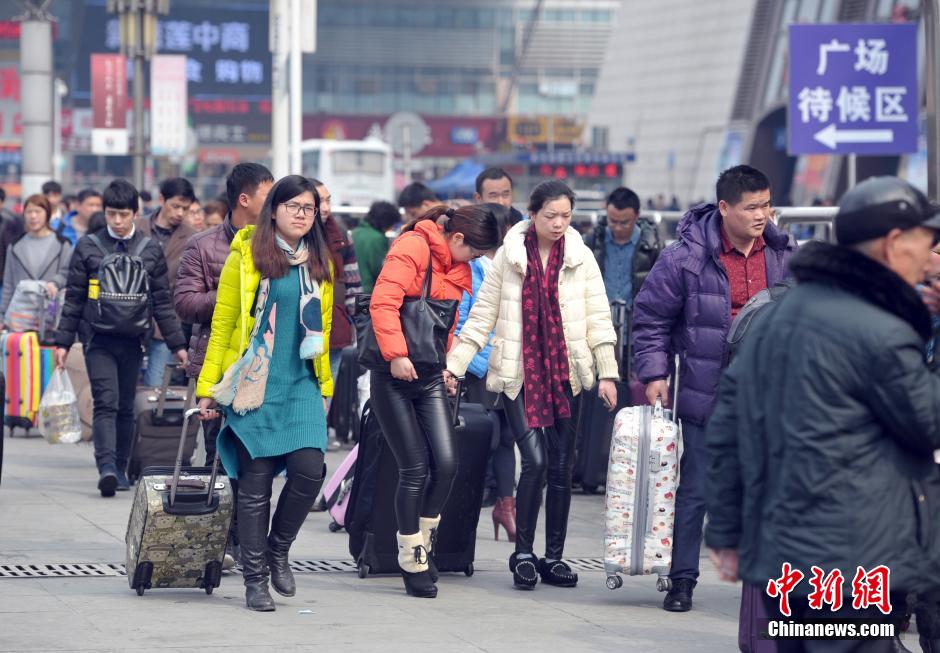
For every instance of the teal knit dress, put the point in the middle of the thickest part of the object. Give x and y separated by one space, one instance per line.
291 416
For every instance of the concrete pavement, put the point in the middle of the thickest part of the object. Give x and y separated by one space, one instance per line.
50 512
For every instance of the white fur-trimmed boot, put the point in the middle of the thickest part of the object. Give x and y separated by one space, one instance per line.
428 527
413 560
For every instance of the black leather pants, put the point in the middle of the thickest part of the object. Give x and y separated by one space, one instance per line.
543 451
416 419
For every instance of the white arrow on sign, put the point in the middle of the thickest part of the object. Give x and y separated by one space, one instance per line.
830 136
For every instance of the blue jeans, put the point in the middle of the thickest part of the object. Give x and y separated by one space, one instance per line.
690 504
158 356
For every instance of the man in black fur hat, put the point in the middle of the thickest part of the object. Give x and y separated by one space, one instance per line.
821 447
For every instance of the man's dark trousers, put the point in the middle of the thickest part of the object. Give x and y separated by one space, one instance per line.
690 504
113 370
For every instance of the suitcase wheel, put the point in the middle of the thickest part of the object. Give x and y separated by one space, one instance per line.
140 590
334 527
614 582
589 489
664 584
468 570
209 589
364 569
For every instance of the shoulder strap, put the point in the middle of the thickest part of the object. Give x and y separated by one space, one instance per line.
97 242
426 290
141 246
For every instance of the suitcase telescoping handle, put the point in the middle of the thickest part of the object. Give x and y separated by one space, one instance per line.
658 409
165 387
178 466
675 390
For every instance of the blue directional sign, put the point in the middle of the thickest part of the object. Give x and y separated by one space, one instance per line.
853 89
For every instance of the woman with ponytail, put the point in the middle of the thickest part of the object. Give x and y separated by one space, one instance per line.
268 365
545 297
409 400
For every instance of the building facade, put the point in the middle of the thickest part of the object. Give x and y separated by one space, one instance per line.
699 87
666 90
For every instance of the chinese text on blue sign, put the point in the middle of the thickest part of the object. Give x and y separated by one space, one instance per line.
853 89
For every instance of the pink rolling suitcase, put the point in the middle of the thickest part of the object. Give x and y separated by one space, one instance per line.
337 491
642 477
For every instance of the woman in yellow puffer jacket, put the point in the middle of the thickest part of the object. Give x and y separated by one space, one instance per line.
267 364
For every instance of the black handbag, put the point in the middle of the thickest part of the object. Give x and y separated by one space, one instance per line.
425 323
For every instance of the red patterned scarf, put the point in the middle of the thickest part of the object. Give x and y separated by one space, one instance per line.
544 352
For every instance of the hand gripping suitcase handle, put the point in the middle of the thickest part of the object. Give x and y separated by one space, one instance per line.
457 401
178 466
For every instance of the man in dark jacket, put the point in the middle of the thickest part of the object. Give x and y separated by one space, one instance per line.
346 286
113 360
821 447
201 263
626 248
346 282
168 228
725 255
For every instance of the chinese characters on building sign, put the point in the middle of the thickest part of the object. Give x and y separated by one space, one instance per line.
853 89
232 39
109 104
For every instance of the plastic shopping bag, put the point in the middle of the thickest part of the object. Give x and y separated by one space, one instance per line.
59 421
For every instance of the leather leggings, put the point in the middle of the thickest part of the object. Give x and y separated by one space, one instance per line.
544 451
416 419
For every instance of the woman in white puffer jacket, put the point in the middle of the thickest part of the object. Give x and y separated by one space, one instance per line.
554 337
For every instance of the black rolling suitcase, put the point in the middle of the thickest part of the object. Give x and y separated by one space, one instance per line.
158 418
370 517
595 422
344 410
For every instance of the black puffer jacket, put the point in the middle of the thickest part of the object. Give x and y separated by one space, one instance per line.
821 446
86 259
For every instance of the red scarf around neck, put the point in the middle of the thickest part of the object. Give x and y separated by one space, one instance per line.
544 352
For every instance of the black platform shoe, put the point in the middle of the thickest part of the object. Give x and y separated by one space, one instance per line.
557 573
524 570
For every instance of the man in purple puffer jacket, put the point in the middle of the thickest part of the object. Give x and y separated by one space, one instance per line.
724 256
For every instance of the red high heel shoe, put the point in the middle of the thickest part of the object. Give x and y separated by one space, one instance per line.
504 514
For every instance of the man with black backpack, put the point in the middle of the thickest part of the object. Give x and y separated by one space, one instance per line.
117 287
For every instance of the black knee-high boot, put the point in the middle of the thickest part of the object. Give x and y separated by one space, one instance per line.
254 509
294 504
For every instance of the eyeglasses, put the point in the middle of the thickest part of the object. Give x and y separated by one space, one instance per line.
293 208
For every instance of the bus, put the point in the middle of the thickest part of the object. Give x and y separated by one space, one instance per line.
356 173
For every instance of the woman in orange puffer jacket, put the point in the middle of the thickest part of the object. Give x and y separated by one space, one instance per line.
410 401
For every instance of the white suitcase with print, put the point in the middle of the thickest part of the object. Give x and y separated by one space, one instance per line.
642 477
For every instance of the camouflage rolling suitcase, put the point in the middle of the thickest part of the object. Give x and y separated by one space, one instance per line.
179 525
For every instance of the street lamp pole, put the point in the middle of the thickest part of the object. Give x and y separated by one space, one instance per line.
37 90
138 20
